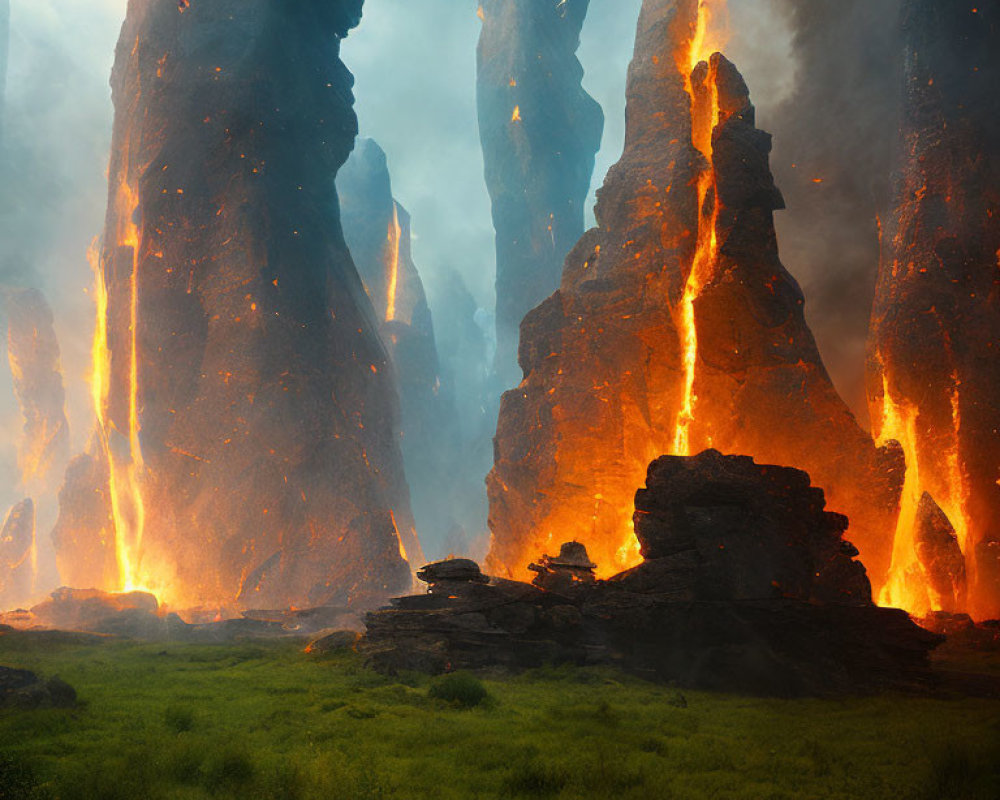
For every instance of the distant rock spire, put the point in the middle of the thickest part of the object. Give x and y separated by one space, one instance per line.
33 354
540 132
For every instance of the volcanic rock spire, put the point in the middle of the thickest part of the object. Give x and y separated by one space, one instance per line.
33 352
377 230
18 554
676 328
540 132
246 410
934 384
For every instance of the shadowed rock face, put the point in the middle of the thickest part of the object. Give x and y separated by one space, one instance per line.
246 405
377 230
716 527
33 352
935 339
676 328
540 132
940 555
17 546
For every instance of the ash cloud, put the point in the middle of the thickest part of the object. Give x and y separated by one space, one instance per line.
834 138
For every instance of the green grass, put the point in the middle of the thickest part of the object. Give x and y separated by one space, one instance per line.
268 721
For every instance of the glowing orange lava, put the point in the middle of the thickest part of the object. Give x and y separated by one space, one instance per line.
125 470
707 36
907 585
395 234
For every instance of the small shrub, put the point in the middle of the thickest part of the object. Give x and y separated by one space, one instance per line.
534 779
654 745
964 773
460 689
184 763
179 719
17 779
230 769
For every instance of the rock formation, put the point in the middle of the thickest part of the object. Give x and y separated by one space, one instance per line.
747 585
377 230
22 689
17 554
933 381
246 407
676 328
940 555
33 352
716 527
540 132
84 532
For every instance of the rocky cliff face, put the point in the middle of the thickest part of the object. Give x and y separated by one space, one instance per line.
933 380
676 328
540 132
246 406
33 353
377 231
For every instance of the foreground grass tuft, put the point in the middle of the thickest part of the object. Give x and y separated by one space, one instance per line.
460 689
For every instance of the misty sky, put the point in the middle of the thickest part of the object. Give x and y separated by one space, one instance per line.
414 61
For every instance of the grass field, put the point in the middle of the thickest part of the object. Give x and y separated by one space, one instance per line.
268 721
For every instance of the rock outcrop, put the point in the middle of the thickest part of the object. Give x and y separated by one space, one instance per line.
716 527
676 328
935 337
21 688
747 585
33 353
84 533
377 230
246 406
937 548
17 553
540 132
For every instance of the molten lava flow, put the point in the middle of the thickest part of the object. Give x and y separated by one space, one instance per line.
704 113
124 472
704 116
905 587
908 585
700 82
395 233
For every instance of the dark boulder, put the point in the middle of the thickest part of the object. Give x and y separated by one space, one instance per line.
732 529
20 688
